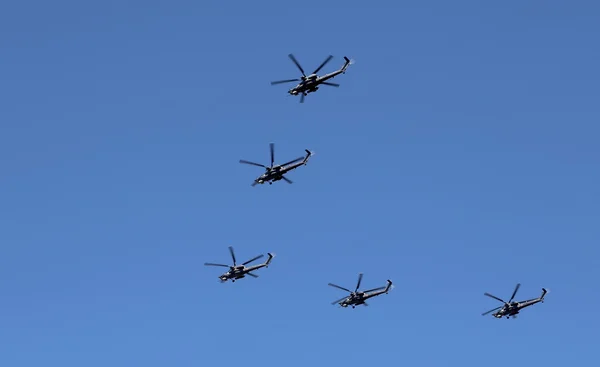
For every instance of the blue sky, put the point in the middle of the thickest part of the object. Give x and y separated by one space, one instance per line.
459 156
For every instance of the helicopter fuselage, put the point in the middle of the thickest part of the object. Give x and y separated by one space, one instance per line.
353 300
236 273
305 87
272 175
507 312
360 298
357 297
240 271
515 308
276 174
311 83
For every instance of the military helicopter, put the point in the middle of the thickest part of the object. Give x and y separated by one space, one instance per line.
357 298
276 172
240 271
511 308
309 84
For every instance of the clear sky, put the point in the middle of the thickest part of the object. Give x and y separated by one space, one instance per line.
459 156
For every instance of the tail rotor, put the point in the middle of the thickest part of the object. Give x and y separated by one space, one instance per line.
272 150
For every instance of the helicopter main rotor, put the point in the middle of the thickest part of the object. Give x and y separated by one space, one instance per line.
506 304
356 292
304 78
272 166
235 266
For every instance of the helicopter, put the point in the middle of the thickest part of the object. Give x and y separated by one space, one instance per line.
357 298
309 84
511 308
240 271
276 172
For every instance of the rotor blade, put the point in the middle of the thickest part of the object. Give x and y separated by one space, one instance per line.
252 275
287 180
338 301
251 260
374 289
297 63
232 255
252 163
323 64
272 148
211 264
342 288
360 275
294 161
331 84
515 292
485 313
494 297
285 81
302 98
